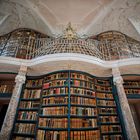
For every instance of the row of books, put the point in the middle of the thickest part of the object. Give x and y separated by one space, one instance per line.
104 89
82 91
62 135
55 83
110 128
82 123
65 75
102 82
27 115
106 103
109 119
107 111
131 83
82 101
51 135
80 111
29 104
7 82
78 83
55 100
112 137
53 122
25 128
81 76
132 91
54 110
84 84
64 90
34 83
74 90
31 94
83 111
6 88
104 95
41 135
56 76
21 138
85 135
52 91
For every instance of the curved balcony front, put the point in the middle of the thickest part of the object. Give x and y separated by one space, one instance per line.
29 44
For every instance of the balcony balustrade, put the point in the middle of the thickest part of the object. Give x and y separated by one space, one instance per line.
29 44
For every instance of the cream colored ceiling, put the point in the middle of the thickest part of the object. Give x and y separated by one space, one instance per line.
88 17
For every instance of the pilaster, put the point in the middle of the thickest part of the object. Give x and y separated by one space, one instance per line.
11 111
128 119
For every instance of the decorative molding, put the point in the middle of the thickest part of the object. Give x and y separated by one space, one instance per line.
3 18
117 78
48 63
135 21
20 78
109 46
69 56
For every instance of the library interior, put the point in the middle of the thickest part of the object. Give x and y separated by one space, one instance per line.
70 70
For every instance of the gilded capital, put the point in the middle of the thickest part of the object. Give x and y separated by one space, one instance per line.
117 78
22 70
21 77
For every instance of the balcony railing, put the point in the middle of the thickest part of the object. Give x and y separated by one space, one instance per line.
29 44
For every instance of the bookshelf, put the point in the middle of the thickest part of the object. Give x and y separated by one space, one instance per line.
6 87
27 112
132 88
109 120
67 105
7 83
53 116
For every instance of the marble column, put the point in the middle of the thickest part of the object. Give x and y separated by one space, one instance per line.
11 111
127 116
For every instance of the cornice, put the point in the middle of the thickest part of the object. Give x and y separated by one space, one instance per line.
63 61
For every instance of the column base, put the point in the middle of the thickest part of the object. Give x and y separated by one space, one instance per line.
5 135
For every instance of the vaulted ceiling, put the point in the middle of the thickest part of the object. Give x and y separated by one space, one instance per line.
88 17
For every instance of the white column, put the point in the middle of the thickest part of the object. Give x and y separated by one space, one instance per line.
128 119
11 111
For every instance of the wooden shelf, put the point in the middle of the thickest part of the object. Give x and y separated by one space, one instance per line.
5 95
76 109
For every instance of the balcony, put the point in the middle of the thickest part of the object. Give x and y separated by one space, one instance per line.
30 44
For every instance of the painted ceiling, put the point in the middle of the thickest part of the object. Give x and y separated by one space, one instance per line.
88 17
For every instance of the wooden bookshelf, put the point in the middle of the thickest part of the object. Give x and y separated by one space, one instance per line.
132 88
67 105
27 114
109 120
6 87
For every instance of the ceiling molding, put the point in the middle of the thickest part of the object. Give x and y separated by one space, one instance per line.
135 21
99 17
40 15
3 18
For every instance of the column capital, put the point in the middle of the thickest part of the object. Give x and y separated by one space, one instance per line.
117 78
20 78
22 70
